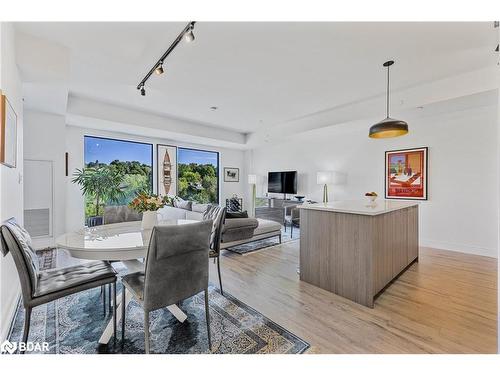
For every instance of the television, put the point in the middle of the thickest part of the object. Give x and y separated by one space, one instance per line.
282 182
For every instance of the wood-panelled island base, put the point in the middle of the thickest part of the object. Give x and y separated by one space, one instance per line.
355 248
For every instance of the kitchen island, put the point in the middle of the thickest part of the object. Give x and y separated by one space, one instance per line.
356 248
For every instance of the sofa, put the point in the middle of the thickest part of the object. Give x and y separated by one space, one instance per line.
236 231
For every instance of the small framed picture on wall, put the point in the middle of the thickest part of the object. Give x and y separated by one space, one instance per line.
231 174
406 174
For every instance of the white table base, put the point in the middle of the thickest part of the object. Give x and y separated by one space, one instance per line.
134 266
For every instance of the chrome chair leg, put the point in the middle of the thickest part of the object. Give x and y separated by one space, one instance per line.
207 314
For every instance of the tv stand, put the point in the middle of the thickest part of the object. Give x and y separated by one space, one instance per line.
274 209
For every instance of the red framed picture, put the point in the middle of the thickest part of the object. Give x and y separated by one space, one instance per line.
406 174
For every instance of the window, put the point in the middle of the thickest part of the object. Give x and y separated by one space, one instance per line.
133 161
198 175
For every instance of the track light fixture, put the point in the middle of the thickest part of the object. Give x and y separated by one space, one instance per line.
159 69
187 34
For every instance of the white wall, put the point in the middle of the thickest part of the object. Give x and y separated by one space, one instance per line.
11 187
74 144
45 139
461 213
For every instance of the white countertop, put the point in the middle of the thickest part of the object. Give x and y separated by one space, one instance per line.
360 207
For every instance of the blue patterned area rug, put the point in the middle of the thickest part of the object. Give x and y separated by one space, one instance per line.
74 324
258 245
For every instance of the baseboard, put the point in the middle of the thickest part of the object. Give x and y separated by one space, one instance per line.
461 248
8 320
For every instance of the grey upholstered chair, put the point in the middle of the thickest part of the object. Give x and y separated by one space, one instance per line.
217 214
120 214
176 269
40 287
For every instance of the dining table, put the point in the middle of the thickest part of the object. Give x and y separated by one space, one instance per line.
125 242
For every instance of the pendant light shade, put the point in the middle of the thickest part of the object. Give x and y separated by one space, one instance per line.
388 127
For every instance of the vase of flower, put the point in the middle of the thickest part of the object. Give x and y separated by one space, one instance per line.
149 219
148 204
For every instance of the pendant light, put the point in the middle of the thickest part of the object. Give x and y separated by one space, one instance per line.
389 127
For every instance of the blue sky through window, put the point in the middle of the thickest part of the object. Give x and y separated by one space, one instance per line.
106 150
187 156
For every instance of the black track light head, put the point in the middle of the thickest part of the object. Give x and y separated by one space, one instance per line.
143 91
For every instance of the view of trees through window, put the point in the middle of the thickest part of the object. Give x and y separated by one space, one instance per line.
198 175
131 161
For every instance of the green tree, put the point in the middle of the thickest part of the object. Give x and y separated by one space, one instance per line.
100 183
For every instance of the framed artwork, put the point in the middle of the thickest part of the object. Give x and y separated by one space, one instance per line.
406 174
8 133
167 170
231 174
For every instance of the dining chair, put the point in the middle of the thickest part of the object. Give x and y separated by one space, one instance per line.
40 287
217 214
176 268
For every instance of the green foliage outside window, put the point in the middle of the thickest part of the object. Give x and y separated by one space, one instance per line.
197 182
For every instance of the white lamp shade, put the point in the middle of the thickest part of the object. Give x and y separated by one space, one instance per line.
252 179
324 177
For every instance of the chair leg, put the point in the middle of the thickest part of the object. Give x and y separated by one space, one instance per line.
124 305
291 230
280 237
146 331
104 299
207 314
284 224
220 278
27 320
109 299
114 312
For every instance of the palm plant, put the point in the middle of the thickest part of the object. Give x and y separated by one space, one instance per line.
102 183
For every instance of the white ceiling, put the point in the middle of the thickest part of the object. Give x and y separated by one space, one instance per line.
259 75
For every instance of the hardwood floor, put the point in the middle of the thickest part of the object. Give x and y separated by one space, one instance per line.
445 303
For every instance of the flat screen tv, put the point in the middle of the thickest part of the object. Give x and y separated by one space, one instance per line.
282 182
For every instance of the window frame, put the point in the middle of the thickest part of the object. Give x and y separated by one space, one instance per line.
217 168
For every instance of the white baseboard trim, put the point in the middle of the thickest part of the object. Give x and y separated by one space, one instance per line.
461 248
8 319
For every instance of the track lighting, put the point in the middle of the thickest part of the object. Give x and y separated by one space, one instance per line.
159 69
187 34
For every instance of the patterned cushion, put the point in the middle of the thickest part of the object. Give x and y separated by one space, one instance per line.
30 257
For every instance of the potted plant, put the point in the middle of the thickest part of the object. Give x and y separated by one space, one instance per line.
148 204
102 184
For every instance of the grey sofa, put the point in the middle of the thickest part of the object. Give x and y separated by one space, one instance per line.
235 231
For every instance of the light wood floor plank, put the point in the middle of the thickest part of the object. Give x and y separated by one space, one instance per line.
446 303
